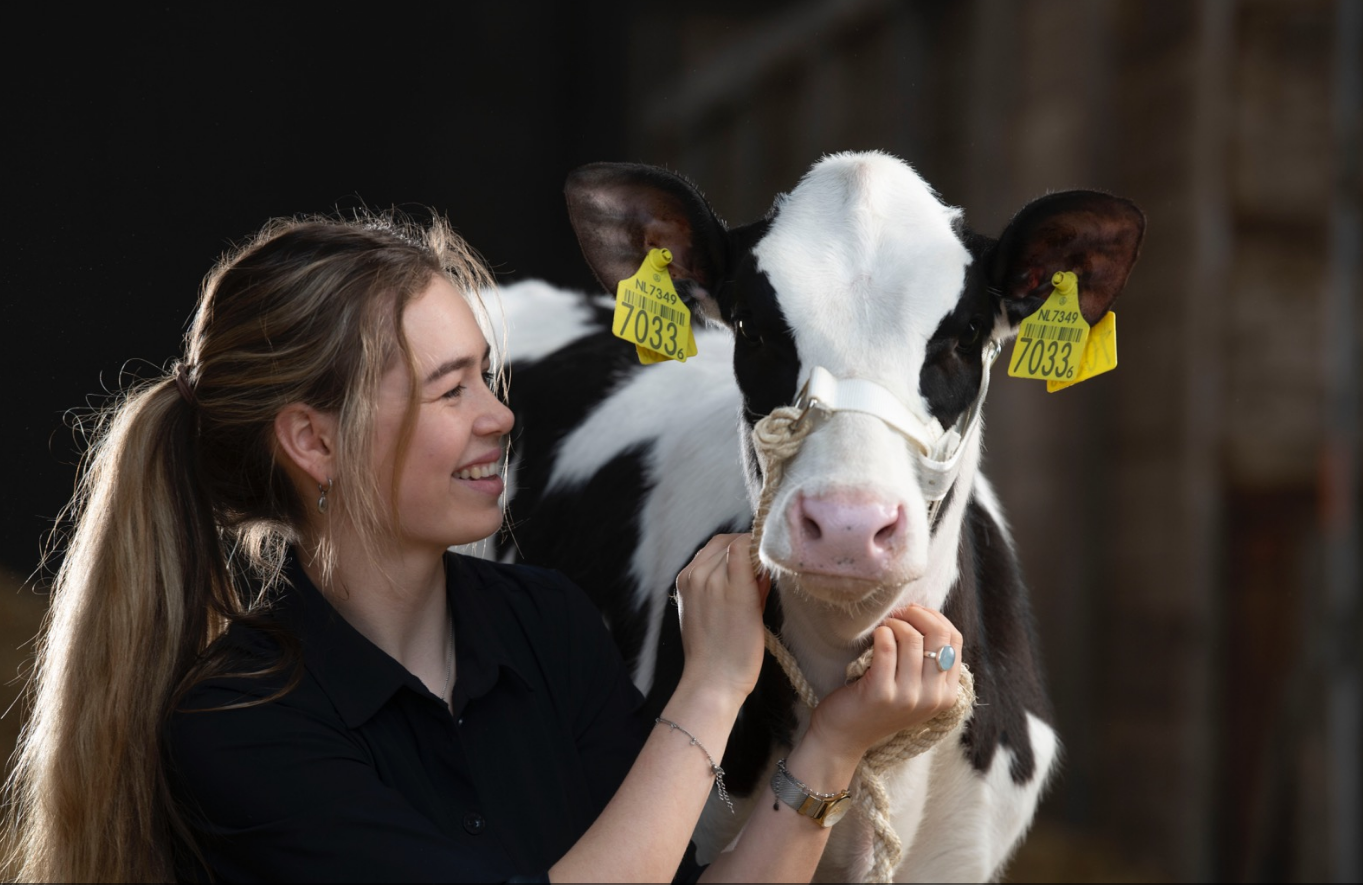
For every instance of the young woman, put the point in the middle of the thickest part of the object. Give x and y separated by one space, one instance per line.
261 662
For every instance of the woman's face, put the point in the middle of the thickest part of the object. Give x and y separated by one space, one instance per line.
448 489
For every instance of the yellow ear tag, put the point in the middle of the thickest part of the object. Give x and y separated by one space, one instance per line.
1100 353
650 315
1051 341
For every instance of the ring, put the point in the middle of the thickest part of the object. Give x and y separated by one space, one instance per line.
944 656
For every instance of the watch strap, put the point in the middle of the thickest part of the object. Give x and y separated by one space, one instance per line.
797 795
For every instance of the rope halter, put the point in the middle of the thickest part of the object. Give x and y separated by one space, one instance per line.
776 440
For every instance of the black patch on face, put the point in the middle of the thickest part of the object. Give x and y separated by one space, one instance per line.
989 605
766 363
952 368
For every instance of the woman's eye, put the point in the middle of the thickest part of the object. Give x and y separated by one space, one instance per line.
453 393
490 379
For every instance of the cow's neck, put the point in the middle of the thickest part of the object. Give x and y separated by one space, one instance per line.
825 638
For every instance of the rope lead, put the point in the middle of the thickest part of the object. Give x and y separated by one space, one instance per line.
777 439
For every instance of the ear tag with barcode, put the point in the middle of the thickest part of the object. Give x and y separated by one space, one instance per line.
650 315
1100 353
1050 343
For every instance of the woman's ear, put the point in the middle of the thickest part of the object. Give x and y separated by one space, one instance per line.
307 437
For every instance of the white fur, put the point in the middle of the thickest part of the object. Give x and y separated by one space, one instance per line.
686 417
989 502
537 319
866 263
975 821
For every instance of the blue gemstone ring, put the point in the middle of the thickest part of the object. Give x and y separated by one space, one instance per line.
944 656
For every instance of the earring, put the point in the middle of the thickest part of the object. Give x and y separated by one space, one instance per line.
322 501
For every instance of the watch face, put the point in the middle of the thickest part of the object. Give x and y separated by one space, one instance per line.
836 811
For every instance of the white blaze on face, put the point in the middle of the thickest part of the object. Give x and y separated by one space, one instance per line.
865 262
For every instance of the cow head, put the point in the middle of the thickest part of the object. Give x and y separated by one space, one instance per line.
863 271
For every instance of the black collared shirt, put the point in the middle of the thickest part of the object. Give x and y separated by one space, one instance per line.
361 774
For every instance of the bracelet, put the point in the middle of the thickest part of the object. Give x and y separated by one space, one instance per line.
785 773
825 809
714 767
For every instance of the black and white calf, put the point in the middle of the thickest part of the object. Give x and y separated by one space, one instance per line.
623 471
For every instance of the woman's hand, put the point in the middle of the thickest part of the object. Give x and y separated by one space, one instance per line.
901 689
642 833
720 603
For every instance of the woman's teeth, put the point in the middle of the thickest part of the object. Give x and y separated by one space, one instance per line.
481 471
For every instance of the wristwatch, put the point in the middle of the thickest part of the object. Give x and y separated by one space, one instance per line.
825 809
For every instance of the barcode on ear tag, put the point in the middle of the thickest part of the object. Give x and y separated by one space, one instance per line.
1050 342
650 315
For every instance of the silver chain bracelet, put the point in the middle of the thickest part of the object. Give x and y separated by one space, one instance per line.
714 766
785 773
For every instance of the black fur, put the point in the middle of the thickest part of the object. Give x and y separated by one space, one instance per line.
989 605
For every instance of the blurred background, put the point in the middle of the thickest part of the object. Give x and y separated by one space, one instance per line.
1189 524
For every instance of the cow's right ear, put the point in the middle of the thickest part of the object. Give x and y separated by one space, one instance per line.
621 210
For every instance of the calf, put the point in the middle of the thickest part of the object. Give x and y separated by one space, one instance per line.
623 471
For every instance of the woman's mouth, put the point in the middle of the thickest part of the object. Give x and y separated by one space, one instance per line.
478 471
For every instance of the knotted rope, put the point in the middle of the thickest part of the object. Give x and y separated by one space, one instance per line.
776 439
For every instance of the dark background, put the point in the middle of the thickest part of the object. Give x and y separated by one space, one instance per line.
1189 523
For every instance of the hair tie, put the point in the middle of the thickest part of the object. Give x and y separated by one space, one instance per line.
182 382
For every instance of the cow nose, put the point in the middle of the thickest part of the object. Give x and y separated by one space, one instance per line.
851 534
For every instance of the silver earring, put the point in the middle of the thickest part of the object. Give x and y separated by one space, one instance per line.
322 501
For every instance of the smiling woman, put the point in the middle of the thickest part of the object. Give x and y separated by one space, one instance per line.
263 663
189 507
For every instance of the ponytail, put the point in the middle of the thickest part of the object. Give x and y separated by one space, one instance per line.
140 592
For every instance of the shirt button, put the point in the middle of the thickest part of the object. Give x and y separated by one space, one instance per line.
461 721
474 823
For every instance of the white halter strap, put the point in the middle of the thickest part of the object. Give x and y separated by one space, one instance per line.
939 451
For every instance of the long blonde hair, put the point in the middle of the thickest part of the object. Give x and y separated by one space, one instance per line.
181 506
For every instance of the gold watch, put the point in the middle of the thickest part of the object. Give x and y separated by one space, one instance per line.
825 809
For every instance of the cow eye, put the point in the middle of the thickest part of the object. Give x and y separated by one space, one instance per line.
746 330
971 336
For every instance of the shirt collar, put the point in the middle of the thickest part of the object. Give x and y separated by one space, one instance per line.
360 677
480 644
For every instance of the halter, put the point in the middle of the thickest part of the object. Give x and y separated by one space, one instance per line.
938 451
776 439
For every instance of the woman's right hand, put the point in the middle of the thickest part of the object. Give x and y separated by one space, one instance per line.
902 688
720 604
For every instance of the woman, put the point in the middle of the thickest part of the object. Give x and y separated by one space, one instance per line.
261 662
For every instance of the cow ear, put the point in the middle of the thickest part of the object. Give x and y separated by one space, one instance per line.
621 210
1095 235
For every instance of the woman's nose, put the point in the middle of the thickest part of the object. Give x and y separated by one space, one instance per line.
496 420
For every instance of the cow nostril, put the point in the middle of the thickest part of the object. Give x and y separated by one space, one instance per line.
811 529
885 537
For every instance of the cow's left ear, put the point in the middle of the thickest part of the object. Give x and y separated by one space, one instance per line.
1095 235
621 210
